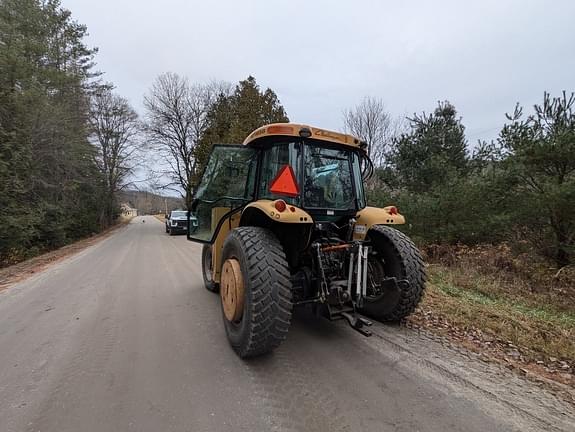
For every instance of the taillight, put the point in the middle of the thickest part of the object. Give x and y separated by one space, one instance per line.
393 210
280 205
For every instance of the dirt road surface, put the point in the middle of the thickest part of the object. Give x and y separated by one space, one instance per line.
123 337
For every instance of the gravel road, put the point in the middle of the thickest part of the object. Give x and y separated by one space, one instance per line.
123 337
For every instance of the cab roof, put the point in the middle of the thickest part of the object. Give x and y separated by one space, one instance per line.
265 134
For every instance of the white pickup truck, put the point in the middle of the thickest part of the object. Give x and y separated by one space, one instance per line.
177 222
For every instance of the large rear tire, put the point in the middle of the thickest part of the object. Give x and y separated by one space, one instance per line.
394 255
207 272
260 268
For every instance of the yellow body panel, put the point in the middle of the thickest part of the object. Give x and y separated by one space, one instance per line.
370 216
267 207
293 129
218 245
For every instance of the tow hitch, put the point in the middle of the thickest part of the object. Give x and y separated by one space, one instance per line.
357 322
342 298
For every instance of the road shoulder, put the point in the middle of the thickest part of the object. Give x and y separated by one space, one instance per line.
31 267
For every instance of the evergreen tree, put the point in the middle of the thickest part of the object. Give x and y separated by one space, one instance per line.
434 150
540 168
232 118
48 179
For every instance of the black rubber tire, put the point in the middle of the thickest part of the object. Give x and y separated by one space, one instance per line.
166 226
170 232
267 286
401 259
207 269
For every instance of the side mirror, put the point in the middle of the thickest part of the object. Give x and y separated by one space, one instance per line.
166 216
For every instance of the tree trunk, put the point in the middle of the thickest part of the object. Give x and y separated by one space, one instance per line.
562 257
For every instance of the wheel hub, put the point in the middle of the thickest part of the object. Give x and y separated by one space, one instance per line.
232 290
376 273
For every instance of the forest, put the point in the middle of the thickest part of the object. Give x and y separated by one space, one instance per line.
71 149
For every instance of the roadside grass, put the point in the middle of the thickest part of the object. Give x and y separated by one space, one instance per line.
527 322
160 217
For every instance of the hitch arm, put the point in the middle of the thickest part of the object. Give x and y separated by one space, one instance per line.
357 322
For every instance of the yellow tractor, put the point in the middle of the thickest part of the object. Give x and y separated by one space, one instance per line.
284 223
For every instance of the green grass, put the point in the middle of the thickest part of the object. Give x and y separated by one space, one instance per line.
540 312
469 300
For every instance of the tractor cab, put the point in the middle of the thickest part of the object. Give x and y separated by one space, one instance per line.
316 174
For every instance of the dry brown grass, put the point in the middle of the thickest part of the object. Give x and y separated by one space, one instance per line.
509 305
541 331
500 272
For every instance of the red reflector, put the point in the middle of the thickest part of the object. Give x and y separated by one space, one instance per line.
393 210
280 205
285 183
280 130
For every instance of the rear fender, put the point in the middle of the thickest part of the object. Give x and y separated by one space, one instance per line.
291 215
292 227
370 216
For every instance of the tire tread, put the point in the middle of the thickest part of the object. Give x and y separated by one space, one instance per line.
413 269
269 281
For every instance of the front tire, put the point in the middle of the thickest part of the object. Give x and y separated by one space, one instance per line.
394 255
207 272
266 287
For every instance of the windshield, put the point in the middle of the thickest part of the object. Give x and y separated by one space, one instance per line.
179 214
328 179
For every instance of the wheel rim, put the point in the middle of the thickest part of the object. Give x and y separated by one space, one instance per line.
232 290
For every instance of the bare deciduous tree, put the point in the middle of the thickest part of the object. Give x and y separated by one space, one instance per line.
114 127
176 117
371 122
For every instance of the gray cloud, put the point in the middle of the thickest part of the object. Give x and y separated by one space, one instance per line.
323 56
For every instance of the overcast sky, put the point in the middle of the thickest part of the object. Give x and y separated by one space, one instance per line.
321 57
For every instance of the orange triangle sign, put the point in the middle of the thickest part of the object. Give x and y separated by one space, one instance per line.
285 183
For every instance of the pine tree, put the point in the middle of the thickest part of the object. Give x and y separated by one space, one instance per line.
48 179
434 150
232 118
540 168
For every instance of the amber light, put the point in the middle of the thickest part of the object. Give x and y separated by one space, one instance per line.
280 130
393 211
280 205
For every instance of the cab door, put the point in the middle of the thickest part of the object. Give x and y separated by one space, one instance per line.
225 187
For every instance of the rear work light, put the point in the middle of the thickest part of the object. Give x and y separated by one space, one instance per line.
285 183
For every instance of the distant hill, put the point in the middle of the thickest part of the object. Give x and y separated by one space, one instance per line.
150 203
